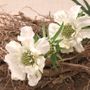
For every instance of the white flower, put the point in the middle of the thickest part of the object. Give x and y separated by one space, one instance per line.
72 34
26 59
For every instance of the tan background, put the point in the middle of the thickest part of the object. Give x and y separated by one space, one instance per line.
41 6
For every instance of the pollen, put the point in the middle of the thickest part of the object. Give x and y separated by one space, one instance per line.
68 31
27 58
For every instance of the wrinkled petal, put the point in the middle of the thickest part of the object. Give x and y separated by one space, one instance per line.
85 33
29 43
41 63
26 36
73 13
53 28
60 17
65 44
78 47
42 45
83 21
13 47
26 33
16 68
34 79
38 66
31 69
67 50
35 51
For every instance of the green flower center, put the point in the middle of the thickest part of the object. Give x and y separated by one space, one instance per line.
68 31
27 58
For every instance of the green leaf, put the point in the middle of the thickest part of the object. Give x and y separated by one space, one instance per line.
57 33
58 48
60 58
54 59
87 27
44 30
82 7
87 4
58 41
36 37
81 14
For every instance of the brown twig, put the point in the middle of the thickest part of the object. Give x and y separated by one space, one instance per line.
76 67
46 17
66 68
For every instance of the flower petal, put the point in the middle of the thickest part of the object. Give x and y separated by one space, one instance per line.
67 50
41 63
65 44
60 17
85 33
83 21
38 66
31 69
26 36
13 47
78 47
26 33
42 45
28 43
34 79
53 28
16 68
73 13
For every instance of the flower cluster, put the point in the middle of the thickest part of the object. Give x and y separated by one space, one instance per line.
26 58
72 33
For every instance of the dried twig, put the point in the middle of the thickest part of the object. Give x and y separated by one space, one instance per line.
45 17
76 67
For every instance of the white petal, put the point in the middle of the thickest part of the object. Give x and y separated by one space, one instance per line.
34 79
26 37
78 47
41 63
26 33
35 51
37 66
60 17
85 33
53 28
28 43
42 45
65 44
13 47
31 69
67 50
73 13
16 68
83 21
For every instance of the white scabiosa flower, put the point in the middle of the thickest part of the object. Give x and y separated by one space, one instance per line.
72 34
26 59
